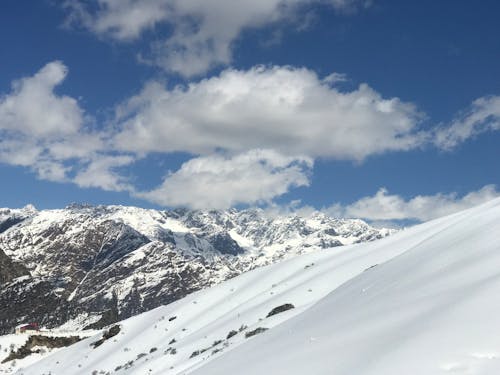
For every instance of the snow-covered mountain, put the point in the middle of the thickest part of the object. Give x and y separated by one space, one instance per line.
423 301
92 265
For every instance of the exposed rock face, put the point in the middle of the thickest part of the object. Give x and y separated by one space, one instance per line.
111 332
37 341
94 265
10 270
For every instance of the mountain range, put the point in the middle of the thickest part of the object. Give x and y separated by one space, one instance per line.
88 266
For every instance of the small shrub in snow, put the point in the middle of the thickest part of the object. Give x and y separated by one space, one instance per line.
198 352
256 331
231 334
112 332
153 349
242 328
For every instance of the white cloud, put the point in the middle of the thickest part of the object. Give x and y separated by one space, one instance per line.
32 108
386 207
34 119
81 145
51 170
46 133
226 122
20 152
282 108
101 173
215 181
484 115
202 31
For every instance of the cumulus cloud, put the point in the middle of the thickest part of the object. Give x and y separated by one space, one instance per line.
20 152
101 172
215 181
33 118
388 207
46 133
483 115
253 135
202 31
32 108
287 109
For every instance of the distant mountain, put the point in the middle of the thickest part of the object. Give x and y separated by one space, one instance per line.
88 266
423 301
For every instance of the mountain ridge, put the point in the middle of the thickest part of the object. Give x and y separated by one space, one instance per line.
83 262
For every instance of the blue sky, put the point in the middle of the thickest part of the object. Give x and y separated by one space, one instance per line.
383 110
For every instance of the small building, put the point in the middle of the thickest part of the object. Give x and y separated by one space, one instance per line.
26 328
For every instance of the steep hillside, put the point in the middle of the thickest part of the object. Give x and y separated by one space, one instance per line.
88 266
422 301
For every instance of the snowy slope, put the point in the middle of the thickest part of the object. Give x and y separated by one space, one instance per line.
432 310
14 342
423 301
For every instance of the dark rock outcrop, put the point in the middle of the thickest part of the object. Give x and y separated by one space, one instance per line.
111 332
10 270
41 341
280 309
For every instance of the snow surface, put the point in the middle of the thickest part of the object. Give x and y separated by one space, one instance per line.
423 301
13 342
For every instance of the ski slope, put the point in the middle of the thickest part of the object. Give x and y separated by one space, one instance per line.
423 301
